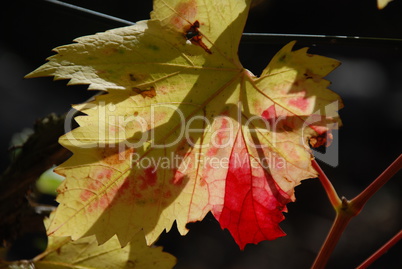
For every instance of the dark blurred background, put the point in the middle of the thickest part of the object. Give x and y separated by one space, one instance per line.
369 81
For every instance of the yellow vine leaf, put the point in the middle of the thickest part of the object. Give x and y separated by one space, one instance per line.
382 3
180 112
85 253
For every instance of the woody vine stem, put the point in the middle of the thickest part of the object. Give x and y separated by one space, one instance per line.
347 209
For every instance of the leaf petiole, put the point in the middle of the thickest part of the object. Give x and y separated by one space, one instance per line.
329 188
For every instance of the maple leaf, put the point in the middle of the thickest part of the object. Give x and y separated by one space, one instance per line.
184 129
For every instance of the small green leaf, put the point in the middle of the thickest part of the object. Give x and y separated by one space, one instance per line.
48 182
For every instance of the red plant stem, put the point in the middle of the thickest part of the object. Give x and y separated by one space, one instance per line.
339 225
326 183
381 251
346 210
358 202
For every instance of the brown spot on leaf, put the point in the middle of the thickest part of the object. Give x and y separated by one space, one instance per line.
282 58
310 75
146 93
149 93
323 139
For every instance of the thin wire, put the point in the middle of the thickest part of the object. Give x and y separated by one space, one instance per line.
255 38
96 14
264 38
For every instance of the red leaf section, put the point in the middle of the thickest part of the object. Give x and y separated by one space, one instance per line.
253 202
